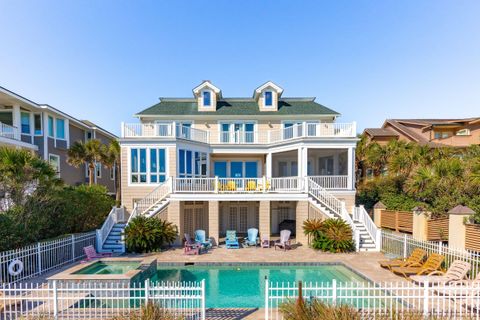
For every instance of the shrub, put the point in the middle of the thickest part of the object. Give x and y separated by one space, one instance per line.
332 235
149 312
149 234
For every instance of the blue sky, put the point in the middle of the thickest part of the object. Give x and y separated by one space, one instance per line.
369 60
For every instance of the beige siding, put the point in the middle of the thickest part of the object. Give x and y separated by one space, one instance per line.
301 216
264 218
214 221
261 101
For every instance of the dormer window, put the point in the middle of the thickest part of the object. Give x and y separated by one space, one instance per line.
268 99
207 99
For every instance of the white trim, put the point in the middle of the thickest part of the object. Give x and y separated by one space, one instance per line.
50 155
147 159
41 124
204 84
268 84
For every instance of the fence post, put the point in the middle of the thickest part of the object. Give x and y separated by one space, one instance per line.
203 299
55 300
266 298
405 245
334 291
39 257
73 247
147 289
425 298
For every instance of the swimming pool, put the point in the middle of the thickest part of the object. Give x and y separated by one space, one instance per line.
243 286
104 267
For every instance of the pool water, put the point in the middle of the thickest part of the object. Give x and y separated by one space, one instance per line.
110 267
244 286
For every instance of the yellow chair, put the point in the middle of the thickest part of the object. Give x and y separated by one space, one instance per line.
251 185
231 186
433 263
417 256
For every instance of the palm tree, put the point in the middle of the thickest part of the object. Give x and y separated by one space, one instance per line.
89 153
21 172
111 159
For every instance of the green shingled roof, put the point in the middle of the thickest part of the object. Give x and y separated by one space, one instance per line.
287 106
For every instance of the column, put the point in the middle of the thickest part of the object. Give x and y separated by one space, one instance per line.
174 216
45 135
264 218
16 119
268 165
301 214
304 162
300 162
351 170
213 221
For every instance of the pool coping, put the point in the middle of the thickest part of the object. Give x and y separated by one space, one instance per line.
265 264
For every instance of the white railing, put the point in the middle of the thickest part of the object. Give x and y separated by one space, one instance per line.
200 185
361 215
157 195
392 300
44 256
179 300
239 185
403 245
9 131
302 130
331 182
287 184
115 216
325 197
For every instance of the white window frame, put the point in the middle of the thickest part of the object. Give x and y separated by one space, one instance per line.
41 124
265 99
231 128
98 170
65 124
463 132
129 164
52 155
53 126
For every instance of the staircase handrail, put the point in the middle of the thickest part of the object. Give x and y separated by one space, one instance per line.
361 215
158 194
107 226
335 205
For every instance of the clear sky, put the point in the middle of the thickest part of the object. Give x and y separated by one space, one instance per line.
369 60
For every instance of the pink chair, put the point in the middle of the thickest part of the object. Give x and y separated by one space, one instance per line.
92 254
265 242
190 246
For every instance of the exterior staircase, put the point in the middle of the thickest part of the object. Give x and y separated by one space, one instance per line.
366 241
114 242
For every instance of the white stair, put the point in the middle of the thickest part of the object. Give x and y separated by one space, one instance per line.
158 207
321 207
366 241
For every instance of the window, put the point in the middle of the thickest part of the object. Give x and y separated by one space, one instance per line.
37 124
60 128
251 169
268 99
98 170
138 165
89 135
50 126
200 164
25 122
441 134
220 168
157 165
463 132
207 99
112 172
237 132
6 117
54 161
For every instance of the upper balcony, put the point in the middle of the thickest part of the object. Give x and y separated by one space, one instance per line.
8 131
302 130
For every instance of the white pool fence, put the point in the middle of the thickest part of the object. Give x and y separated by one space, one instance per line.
57 300
36 259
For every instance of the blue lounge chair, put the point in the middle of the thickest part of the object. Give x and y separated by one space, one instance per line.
252 237
231 240
201 239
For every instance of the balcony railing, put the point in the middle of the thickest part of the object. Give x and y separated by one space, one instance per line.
254 185
303 130
9 131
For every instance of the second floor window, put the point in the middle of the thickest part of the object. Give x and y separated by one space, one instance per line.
268 99
60 123
206 99
147 165
25 122
50 127
37 122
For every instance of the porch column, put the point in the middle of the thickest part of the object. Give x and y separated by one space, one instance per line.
299 162
213 221
304 163
351 169
268 165
301 214
16 117
264 218
175 217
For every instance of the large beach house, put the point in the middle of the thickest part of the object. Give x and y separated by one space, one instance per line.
216 163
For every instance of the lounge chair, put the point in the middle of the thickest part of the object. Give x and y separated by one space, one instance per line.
92 254
416 256
200 238
433 263
265 242
284 241
457 271
191 247
252 237
231 240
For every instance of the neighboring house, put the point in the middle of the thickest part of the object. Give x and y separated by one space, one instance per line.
215 163
49 132
432 132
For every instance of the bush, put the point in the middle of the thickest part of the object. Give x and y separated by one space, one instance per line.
331 235
149 312
149 234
